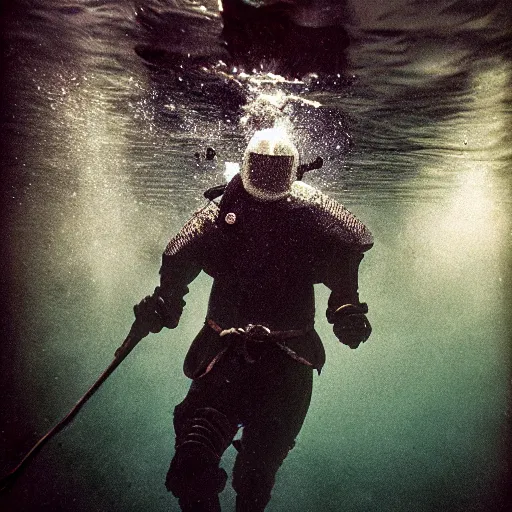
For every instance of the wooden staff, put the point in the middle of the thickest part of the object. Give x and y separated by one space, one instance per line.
134 336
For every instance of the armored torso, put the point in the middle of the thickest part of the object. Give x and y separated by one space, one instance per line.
269 255
265 257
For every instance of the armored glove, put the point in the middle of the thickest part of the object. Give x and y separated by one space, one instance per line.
154 312
151 315
351 326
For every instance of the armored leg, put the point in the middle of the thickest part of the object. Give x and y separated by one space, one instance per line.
203 505
194 477
254 474
280 400
265 444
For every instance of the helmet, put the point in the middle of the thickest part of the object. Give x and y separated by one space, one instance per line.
270 164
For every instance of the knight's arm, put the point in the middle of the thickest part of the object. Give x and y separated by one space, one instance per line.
182 261
342 278
347 239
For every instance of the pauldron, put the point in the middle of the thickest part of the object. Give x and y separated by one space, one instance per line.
201 223
333 217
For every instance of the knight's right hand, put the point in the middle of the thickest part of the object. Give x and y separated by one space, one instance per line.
147 314
154 312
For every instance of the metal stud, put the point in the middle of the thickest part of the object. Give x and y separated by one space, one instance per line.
230 218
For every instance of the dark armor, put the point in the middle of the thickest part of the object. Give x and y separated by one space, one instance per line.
265 264
252 362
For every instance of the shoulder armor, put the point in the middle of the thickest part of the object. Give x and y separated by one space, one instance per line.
333 217
201 223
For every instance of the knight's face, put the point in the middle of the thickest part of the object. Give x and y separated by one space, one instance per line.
270 177
270 164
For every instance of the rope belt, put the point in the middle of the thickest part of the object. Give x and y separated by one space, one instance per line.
256 334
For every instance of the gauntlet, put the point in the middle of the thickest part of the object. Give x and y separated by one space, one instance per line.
155 313
351 326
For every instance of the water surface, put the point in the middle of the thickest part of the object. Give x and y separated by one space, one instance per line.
98 167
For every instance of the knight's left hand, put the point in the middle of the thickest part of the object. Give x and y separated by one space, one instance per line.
352 330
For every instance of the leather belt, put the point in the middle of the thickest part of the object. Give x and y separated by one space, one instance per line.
259 334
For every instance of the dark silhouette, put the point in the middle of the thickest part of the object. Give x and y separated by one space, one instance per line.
265 244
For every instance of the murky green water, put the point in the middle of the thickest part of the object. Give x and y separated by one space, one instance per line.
99 171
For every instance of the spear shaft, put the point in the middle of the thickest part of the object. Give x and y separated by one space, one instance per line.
134 336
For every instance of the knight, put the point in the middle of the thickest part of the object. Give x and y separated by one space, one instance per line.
266 243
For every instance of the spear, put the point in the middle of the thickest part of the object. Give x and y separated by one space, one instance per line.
137 332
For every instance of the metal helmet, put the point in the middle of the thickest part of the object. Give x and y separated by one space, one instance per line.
269 165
